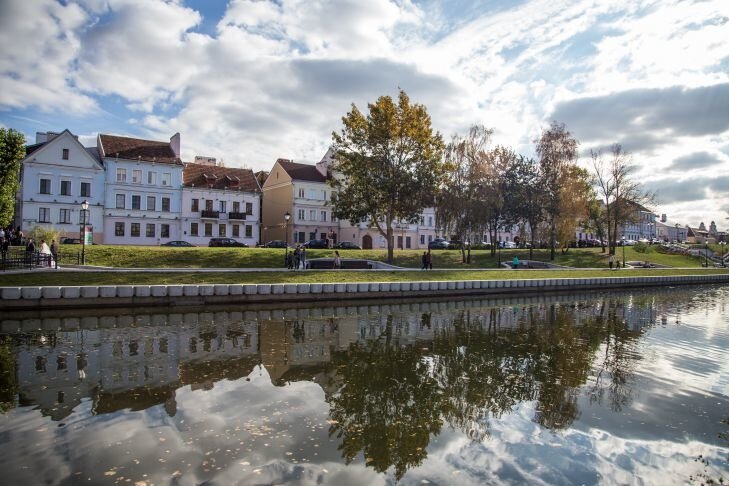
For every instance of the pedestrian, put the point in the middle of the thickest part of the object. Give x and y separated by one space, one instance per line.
515 263
430 260
54 252
297 257
45 253
289 260
302 255
4 247
425 261
29 250
337 260
611 260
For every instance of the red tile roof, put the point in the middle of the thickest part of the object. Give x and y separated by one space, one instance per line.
301 172
216 177
138 149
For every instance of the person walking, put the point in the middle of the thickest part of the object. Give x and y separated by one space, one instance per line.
302 255
515 263
424 261
611 260
337 260
297 257
29 251
54 252
430 260
4 247
45 253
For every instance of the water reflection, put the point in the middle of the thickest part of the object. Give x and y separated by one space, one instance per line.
393 380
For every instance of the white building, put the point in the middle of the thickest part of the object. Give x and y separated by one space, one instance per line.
143 190
57 175
220 202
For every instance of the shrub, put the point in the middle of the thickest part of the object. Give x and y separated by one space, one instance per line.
641 247
39 233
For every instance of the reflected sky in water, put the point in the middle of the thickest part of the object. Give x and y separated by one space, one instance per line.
585 389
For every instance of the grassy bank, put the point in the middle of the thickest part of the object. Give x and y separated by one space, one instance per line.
50 278
202 257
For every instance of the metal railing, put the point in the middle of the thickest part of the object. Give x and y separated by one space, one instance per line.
18 258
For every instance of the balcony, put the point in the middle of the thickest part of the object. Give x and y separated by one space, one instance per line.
240 216
210 214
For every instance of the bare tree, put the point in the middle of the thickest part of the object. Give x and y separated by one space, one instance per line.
619 193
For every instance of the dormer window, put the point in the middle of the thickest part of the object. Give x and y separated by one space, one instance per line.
65 154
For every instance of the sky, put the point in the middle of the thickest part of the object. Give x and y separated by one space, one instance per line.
251 81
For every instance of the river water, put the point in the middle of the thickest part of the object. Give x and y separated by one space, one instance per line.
599 388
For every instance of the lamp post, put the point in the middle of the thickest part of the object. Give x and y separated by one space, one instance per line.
677 239
706 253
287 217
84 217
623 239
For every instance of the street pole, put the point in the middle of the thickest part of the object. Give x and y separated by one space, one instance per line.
287 217
623 251
84 213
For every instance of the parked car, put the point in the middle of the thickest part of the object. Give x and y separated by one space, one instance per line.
275 244
71 241
438 244
316 244
347 245
177 243
508 244
226 242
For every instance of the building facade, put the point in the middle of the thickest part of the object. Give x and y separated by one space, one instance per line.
57 175
220 202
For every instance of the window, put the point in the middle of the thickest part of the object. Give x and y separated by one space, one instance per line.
249 208
223 205
120 201
166 178
165 204
136 202
195 205
249 231
150 230
430 221
64 154
301 215
422 239
312 214
312 235
236 206
208 229
64 216
118 229
323 216
221 230
151 178
44 215
323 195
121 175
301 192
151 203
45 186
137 176
209 205
193 229
302 237
65 188
407 242
312 193
164 230
86 189
135 230
236 230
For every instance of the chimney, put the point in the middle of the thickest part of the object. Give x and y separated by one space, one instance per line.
41 137
663 218
175 144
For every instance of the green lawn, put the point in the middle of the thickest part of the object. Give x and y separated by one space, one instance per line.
45 278
203 257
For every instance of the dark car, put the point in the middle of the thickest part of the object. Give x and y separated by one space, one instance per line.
71 241
226 242
316 244
275 244
439 244
347 245
177 243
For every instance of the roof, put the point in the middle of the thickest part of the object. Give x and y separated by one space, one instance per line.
216 177
29 149
137 149
301 172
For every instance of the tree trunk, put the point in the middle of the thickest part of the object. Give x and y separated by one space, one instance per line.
390 244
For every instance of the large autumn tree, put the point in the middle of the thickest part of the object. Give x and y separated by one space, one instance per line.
12 151
388 165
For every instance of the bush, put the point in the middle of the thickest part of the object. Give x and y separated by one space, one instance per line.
39 233
641 247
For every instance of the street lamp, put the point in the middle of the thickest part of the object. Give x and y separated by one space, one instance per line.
287 217
623 238
706 253
84 218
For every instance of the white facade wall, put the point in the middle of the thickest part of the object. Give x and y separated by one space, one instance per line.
51 188
223 201
311 217
164 183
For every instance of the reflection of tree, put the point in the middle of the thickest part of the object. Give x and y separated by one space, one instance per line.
8 380
394 397
388 406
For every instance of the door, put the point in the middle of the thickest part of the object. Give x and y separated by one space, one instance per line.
366 242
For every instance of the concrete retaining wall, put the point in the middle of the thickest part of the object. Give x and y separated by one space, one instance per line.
185 295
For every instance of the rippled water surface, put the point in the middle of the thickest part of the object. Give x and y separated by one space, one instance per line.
616 388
